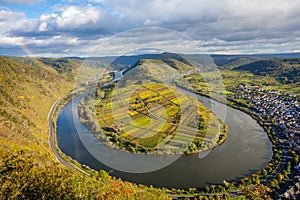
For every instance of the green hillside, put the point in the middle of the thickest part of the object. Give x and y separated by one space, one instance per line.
28 168
27 94
280 74
286 71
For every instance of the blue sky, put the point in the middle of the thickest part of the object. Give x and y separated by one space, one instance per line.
35 8
75 28
31 10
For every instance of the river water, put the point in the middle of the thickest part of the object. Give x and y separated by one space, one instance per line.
246 150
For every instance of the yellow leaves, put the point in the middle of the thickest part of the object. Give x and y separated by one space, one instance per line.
23 97
127 191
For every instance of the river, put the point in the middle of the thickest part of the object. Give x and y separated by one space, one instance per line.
246 150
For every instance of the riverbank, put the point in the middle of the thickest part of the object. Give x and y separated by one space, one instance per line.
234 188
232 151
52 118
265 175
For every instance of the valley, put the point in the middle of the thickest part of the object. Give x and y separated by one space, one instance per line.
149 100
152 105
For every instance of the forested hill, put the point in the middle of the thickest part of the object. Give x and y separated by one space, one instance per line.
28 168
26 95
284 70
67 67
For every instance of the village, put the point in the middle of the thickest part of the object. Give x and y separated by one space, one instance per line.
283 110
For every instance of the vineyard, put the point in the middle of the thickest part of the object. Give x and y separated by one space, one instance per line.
156 117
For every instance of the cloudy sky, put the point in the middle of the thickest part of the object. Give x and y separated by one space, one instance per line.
114 27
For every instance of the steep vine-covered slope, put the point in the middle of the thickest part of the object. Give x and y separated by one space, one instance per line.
26 96
28 168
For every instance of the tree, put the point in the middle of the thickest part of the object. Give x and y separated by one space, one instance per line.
203 198
285 174
274 184
280 177
295 158
22 178
258 192
265 173
226 196
212 188
207 189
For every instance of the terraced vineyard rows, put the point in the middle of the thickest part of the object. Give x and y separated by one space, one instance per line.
156 117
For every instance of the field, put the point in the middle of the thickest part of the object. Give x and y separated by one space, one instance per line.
156 117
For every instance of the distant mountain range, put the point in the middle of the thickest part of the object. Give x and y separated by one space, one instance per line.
284 67
223 61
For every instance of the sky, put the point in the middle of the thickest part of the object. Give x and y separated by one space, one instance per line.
116 27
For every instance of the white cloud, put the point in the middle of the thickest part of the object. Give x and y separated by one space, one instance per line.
11 21
43 26
229 14
11 41
81 20
54 41
45 17
6 15
218 25
74 17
